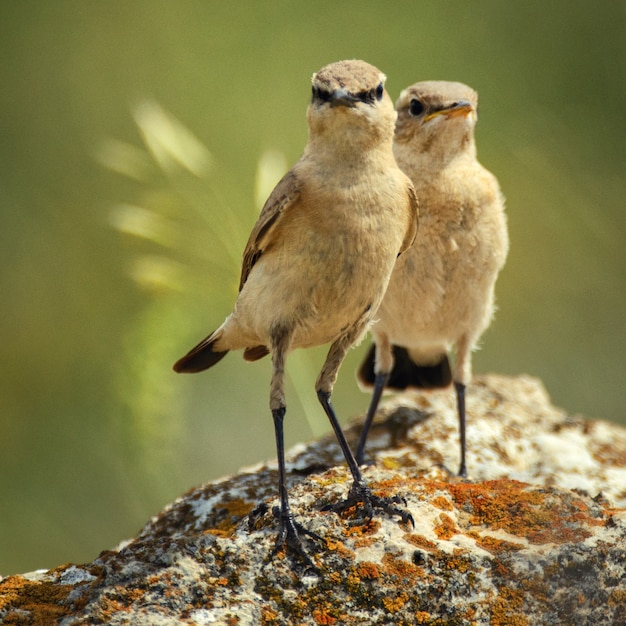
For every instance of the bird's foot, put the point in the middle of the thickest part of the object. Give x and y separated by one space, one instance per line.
290 535
366 505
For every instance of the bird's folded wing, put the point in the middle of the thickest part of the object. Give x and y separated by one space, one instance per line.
411 232
285 196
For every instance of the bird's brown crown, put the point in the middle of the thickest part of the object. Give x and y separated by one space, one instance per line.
353 76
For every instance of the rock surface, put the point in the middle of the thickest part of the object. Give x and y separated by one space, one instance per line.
536 536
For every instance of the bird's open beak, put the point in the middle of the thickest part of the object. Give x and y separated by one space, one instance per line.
458 109
341 97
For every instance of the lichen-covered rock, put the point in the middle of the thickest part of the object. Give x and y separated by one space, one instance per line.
536 536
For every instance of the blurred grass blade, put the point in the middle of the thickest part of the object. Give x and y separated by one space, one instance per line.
169 141
126 159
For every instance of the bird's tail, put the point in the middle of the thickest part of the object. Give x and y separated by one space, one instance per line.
202 356
406 373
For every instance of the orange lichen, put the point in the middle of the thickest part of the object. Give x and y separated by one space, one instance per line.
393 605
367 570
322 617
268 616
370 527
420 542
507 609
519 510
219 532
441 502
446 528
339 547
44 601
364 542
330 477
399 567
238 507
493 544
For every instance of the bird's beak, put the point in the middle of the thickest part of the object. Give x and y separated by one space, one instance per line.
341 97
458 109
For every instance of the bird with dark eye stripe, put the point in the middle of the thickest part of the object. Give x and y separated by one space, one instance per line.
318 261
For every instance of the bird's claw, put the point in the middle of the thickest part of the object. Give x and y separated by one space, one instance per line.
289 537
363 500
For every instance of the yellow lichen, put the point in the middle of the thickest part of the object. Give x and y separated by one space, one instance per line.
393 605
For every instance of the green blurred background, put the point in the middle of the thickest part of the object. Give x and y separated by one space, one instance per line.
135 139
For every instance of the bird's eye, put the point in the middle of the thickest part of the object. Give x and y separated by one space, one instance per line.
379 92
416 107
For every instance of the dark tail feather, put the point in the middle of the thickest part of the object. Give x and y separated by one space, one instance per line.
200 358
406 373
365 374
256 353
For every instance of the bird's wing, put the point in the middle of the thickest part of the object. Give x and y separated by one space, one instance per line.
284 196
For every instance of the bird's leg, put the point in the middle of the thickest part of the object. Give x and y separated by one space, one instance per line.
289 531
360 493
379 385
462 375
384 365
460 400
360 496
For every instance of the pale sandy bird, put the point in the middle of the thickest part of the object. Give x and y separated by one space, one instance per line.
318 260
441 294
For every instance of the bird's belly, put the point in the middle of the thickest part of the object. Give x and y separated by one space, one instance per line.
319 297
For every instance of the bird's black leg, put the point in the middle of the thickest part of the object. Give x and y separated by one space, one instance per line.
359 494
379 385
460 397
289 531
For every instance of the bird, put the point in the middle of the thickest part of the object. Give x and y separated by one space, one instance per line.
441 294
319 259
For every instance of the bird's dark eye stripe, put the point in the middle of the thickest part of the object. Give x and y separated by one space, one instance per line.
368 96
372 94
321 94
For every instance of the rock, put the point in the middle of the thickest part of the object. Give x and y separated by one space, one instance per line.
536 536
